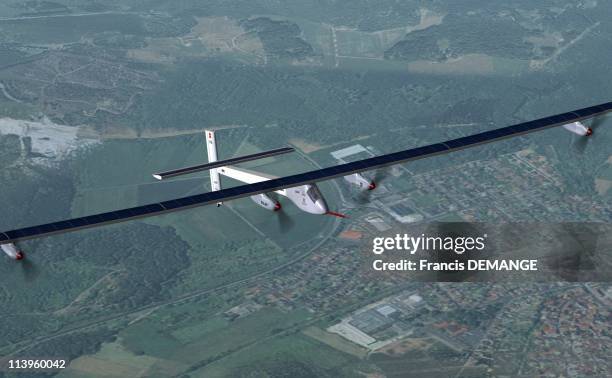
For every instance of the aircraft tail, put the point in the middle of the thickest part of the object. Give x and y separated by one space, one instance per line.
211 149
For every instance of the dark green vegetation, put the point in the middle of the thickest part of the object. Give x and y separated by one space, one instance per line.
53 29
280 38
116 275
146 267
475 32
73 345
343 105
460 35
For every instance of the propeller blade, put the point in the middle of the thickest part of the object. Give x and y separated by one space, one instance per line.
580 144
381 175
285 223
29 270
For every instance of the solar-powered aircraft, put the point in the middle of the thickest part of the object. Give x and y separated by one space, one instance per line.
306 197
301 189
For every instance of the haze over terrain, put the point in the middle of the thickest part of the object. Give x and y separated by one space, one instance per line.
97 95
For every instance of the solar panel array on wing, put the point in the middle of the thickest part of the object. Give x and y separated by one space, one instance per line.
80 223
221 163
303 178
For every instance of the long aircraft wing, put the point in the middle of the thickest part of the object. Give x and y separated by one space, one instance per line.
302 178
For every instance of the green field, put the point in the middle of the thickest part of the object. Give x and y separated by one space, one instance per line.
210 339
294 354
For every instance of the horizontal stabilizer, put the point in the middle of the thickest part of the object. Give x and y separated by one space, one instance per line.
222 163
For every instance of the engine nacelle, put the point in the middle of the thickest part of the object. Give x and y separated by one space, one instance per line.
12 251
361 182
266 202
578 128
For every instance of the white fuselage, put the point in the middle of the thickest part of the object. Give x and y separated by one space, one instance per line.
306 197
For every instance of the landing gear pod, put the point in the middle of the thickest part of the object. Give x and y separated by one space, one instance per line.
266 202
361 182
578 128
12 251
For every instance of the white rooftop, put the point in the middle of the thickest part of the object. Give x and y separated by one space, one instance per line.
348 151
415 298
386 310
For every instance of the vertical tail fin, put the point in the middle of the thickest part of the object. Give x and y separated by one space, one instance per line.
211 149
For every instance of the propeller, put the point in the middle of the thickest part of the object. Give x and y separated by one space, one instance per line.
29 270
285 223
380 176
582 142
